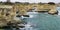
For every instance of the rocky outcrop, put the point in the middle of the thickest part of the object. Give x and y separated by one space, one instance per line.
53 12
3 21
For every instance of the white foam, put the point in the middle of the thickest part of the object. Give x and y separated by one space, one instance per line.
28 26
58 12
58 8
31 16
32 12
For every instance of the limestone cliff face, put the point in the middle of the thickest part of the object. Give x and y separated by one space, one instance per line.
7 13
22 8
41 7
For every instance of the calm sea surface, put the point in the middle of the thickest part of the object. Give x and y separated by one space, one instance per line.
44 21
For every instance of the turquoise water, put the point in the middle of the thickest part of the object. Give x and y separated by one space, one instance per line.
44 21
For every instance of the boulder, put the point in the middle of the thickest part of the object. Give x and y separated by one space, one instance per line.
53 12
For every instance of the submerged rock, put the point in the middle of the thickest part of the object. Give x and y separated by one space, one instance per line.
26 15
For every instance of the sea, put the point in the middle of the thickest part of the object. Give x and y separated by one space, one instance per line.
44 21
